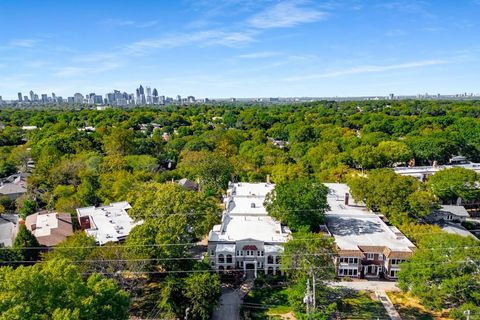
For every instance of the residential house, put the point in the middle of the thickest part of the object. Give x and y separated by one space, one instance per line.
50 228
110 223
248 240
14 185
449 219
8 229
367 247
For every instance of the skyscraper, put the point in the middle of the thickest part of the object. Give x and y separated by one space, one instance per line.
44 98
20 98
155 95
149 95
78 98
32 95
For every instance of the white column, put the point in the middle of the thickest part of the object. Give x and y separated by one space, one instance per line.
256 269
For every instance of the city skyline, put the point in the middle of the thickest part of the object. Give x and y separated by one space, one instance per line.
240 48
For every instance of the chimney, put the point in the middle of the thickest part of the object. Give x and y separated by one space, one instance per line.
347 197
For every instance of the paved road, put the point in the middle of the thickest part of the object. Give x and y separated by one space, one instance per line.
228 306
388 305
367 285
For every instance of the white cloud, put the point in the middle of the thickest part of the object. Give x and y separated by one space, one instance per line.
368 69
202 38
285 14
67 72
24 43
129 23
259 55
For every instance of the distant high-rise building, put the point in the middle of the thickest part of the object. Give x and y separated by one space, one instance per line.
97 99
25 98
391 96
1 100
44 98
191 99
78 98
140 90
179 98
155 92
54 97
70 100
149 95
20 99
35 97
32 95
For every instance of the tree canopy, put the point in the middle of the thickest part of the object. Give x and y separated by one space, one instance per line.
298 203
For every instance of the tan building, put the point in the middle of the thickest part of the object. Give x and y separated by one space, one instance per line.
367 246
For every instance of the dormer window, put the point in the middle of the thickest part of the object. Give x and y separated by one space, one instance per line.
252 205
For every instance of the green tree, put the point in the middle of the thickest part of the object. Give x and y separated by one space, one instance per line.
202 291
212 170
298 203
382 190
454 183
156 201
55 290
444 271
308 254
26 245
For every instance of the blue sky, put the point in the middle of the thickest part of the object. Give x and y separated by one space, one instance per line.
240 48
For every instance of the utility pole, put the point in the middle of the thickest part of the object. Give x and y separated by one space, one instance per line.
307 299
467 312
313 296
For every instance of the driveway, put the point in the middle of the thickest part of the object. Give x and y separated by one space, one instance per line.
229 305
367 285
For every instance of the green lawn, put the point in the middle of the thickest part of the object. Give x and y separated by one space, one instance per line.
410 308
360 305
267 300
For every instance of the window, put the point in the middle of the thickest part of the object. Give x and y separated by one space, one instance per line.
270 259
449 217
351 260
262 253
221 258
238 252
277 260
241 253
393 273
370 256
380 257
229 258
212 253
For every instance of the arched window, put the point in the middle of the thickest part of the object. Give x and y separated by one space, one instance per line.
221 258
221 268
277 260
270 270
229 258
270 259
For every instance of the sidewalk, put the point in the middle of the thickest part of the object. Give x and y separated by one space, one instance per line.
388 305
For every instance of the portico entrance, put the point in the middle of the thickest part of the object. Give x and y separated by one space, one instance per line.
250 269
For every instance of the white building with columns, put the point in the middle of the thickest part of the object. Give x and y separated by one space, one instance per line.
248 240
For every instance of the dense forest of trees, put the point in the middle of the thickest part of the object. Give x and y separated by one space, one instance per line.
134 154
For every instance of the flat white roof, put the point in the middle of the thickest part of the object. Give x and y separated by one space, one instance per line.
336 200
352 231
45 223
109 223
241 189
354 225
235 228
